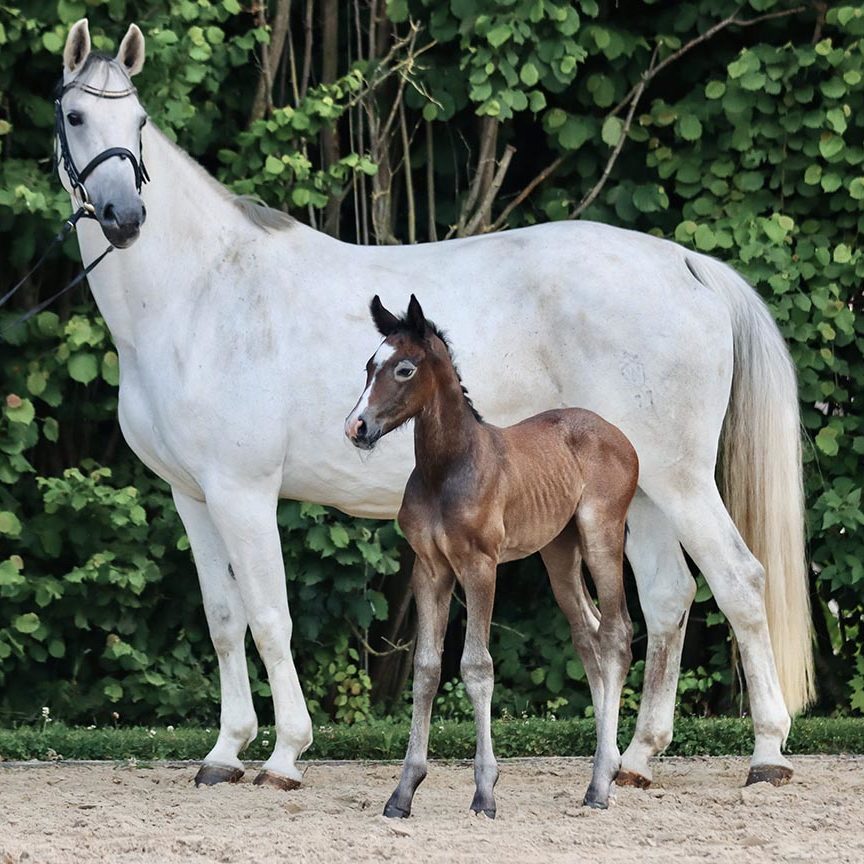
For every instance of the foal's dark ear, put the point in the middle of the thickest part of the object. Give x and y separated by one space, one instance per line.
384 319
416 318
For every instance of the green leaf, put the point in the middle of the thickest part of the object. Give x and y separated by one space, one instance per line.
714 89
19 410
339 535
497 36
611 131
830 145
856 188
813 174
111 368
9 523
842 253
27 623
53 42
689 128
274 166
83 367
529 74
826 441
113 691
704 238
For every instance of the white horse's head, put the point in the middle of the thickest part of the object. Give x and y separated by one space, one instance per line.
101 118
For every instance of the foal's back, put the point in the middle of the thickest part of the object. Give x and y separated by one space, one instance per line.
554 464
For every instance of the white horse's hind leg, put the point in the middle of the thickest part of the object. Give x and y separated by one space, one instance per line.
226 619
666 591
737 581
246 519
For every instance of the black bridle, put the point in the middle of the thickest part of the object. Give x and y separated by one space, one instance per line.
64 156
85 210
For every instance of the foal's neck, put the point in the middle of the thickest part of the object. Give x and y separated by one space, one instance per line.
446 430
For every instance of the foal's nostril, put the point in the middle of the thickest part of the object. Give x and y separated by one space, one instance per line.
108 214
360 429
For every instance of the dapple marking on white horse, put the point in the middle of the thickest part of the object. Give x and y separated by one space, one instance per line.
558 483
232 334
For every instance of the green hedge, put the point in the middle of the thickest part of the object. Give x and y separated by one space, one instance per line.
449 740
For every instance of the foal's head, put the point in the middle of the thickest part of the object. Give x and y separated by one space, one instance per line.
401 376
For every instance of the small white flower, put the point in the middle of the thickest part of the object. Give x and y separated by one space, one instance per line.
45 711
170 728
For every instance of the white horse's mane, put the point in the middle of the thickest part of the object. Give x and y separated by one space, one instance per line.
256 211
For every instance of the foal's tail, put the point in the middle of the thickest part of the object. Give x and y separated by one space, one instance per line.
760 459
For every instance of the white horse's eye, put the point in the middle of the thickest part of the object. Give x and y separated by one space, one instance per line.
404 370
74 118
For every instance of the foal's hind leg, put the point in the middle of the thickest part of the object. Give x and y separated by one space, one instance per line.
432 584
602 541
563 562
666 591
226 620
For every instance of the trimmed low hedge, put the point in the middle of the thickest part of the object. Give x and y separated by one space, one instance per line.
725 736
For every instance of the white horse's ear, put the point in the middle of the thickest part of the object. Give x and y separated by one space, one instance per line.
131 53
77 48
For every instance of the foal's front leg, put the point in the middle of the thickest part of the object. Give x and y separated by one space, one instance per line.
478 579
432 583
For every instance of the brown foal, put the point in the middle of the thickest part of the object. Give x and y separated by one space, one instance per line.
559 483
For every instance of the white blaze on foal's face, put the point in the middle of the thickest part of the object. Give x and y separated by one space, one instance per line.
373 367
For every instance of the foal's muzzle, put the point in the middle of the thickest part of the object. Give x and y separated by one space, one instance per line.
360 434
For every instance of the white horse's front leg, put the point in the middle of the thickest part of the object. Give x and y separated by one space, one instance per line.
226 619
246 519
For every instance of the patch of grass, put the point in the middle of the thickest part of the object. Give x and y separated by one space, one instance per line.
720 736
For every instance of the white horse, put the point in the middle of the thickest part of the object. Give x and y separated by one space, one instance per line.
235 326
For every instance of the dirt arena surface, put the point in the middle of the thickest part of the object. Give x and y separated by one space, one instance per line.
696 811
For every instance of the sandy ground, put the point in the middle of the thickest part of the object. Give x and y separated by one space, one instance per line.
696 811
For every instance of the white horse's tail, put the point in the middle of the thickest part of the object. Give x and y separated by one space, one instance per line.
760 460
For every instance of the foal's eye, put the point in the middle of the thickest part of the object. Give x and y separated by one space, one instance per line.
404 370
143 123
74 118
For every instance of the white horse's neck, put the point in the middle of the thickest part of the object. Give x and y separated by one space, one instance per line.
191 218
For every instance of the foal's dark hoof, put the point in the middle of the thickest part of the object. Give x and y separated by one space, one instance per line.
776 775
277 781
486 811
595 803
210 775
394 811
631 778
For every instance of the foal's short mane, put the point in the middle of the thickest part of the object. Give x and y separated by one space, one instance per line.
405 326
255 210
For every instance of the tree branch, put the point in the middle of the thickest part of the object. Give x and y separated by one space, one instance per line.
491 192
270 56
